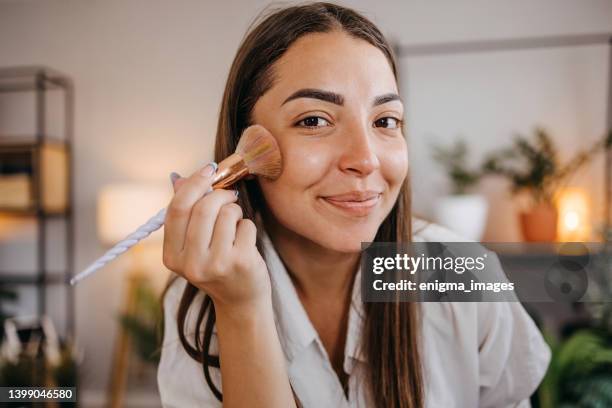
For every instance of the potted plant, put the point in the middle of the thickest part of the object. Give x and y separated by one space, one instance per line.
580 371
534 167
144 324
461 211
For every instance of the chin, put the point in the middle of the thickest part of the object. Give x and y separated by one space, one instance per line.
346 241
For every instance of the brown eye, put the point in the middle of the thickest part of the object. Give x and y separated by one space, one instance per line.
387 122
313 122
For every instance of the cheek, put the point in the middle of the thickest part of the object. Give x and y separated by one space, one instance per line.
304 164
394 164
289 195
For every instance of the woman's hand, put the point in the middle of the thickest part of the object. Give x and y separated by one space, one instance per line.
207 241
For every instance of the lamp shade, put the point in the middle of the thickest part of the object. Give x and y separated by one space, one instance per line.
124 207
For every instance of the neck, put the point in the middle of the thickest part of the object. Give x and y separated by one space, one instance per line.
317 272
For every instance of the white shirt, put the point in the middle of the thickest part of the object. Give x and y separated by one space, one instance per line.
474 354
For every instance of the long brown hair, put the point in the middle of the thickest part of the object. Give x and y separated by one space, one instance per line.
391 330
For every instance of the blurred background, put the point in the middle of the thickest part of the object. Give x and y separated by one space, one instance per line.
508 119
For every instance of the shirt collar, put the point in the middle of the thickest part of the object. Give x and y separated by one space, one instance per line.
352 349
294 327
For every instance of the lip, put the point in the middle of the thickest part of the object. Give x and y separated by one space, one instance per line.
358 202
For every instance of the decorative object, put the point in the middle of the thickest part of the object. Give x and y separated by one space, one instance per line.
8 295
32 355
539 223
460 211
534 167
19 161
29 334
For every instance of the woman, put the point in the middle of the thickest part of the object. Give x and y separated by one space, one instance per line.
267 296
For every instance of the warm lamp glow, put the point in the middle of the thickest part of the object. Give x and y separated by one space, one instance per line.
124 207
574 215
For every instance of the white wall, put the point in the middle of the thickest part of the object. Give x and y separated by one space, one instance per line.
149 77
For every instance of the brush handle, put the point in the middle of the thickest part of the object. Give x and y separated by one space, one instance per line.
153 224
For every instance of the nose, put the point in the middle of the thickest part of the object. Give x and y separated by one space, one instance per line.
358 155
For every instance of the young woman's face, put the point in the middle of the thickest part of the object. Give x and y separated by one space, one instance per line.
335 112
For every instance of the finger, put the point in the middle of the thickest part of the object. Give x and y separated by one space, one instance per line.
179 210
195 186
246 235
178 183
202 221
176 180
174 176
224 231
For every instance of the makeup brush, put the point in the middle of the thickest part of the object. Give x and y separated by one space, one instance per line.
257 153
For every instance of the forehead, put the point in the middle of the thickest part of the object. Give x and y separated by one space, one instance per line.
334 61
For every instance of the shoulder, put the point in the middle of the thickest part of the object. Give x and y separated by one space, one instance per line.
495 348
496 344
468 313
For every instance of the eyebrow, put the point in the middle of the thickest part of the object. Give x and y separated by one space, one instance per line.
335 98
379 100
326 96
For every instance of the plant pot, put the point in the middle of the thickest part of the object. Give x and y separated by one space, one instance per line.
539 224
464 214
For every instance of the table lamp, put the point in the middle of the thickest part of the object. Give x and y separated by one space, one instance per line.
574 222
124 207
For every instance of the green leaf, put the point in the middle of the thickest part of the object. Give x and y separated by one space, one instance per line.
454 159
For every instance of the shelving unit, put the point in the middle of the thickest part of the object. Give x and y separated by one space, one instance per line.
40 166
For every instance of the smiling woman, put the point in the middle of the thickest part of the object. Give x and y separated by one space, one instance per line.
273 276
339 132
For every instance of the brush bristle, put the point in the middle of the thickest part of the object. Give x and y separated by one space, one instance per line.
260 152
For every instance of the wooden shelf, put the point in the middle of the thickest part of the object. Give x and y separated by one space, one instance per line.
35 173
29 142
29 78
17 278
33 212
528 250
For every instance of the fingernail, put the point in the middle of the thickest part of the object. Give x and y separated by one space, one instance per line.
209 170
174 176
